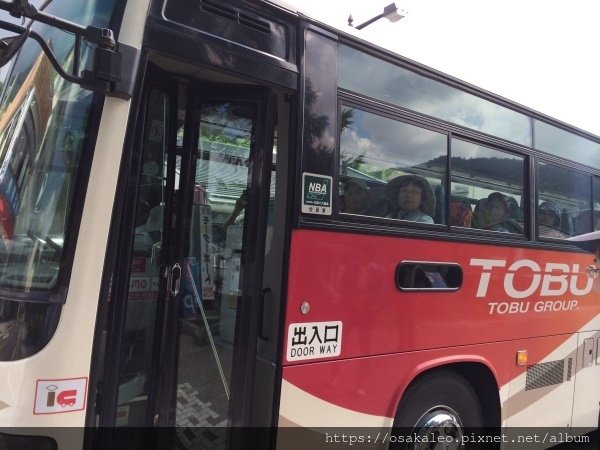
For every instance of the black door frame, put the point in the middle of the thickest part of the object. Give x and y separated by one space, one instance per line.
112 313
255 224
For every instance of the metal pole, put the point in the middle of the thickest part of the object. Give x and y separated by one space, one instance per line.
210 338
369 22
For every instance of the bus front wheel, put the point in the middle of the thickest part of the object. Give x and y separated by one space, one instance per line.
437 409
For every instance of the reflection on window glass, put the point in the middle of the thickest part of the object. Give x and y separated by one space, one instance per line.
388 82
391 169
44 130
217 244
596 203
146 261
40 154
487 188
564 202
566 145
225 145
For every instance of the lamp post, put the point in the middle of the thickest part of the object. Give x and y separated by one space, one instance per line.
390 12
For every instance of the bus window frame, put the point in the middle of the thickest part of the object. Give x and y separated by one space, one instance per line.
399 114
530 152
371 106
578 170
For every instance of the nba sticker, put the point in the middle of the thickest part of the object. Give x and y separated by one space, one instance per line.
60 396
316 194
314 340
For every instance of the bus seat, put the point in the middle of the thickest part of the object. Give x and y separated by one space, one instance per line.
460 212
516 212
566 223
582 223
478 220
377 204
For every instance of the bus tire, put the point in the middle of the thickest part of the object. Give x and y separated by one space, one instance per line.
442 406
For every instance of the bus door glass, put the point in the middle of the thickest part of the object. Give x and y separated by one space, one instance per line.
146 299
226 186
191 327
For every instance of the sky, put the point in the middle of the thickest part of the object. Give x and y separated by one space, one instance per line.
542 54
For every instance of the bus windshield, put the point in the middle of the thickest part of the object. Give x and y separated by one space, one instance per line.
43 131
46 137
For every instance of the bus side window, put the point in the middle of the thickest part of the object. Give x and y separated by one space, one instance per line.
564 202
377 154
494 181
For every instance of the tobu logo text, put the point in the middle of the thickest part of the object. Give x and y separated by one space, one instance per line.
554 280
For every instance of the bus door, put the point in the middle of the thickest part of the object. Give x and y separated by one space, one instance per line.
225 190
193 320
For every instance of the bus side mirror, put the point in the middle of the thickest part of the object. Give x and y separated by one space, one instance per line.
114 65
9 46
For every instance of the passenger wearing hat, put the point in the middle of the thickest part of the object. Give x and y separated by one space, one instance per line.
549 220
355 197
411 198
496 213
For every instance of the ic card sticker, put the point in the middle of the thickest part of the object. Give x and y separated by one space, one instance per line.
60 395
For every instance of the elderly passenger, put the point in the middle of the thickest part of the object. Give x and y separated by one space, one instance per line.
411 198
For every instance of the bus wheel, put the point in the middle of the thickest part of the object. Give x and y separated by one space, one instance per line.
437 408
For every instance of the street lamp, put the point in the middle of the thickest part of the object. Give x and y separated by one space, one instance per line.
390 12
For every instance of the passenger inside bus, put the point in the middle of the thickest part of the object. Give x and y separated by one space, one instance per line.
411 198
495 214
154 222
549 220
237 215
141 217
460 213
355 197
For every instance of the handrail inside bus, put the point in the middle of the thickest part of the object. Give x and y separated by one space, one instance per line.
113 63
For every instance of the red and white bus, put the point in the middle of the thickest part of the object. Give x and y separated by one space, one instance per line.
246 229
